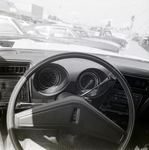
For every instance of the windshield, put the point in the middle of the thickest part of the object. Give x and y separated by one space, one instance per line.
117 27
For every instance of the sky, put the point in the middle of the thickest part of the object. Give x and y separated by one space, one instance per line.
98 12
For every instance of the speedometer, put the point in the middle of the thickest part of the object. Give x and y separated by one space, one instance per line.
48 77
50 80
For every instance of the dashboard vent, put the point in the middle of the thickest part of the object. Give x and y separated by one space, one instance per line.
13 70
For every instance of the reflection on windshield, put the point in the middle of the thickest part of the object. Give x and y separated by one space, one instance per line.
115 25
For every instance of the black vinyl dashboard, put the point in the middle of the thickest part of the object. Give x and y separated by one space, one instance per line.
74 76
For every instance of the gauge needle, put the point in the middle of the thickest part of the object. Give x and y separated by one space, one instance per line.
89 83
101 83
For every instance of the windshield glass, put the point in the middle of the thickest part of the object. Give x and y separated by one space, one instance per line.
117 27
6 27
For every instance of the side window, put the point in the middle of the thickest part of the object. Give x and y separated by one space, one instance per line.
59 33
98 33
41 30
6 27
84 34
107 33
78 33
69 34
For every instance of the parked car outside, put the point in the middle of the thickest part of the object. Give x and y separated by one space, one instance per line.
144 40
136 37
105 33
70 35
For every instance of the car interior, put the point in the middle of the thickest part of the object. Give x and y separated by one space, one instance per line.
64 100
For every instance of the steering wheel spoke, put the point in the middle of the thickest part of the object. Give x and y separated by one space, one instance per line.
71 113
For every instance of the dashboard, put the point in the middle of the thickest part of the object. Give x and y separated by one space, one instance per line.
75 76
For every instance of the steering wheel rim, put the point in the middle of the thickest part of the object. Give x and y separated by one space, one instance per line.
27 75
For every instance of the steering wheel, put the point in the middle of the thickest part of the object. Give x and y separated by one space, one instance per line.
53 112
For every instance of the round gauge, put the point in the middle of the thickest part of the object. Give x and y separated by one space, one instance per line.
48 77
88 80
50 80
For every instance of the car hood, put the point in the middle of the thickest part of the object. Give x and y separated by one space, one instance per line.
104 41
95 43
38 43
100 44
32 46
